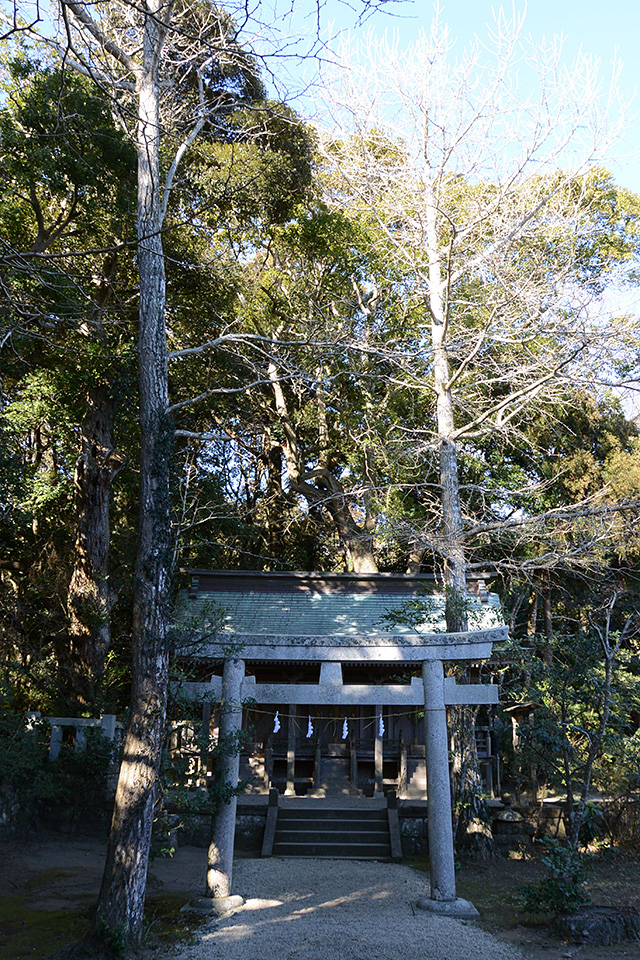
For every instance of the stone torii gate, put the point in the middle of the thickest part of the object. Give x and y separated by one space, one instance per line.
432 691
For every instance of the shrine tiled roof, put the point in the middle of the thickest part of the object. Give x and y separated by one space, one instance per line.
325 605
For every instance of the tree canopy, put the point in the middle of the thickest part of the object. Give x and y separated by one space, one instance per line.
400 339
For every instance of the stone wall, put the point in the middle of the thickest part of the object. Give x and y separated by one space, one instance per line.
250 820
413 828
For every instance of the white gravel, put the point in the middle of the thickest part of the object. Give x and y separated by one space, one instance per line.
299 909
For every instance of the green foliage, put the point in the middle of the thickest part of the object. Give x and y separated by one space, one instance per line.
563 889
26 777
68 332
30 782
68 304
593 828
263 239
114 939
568 685
428 612
54 124
416 612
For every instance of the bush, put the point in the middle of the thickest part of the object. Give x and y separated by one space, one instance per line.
594 827
562 890
26 777
29 781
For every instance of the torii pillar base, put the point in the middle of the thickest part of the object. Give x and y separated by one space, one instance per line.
458 908
213 906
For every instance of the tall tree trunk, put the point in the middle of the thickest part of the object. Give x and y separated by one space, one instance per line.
547 654
89 596
455 561
122 896
276 501
472 822
532 621
452 544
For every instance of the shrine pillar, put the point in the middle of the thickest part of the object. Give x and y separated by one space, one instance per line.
221 845
378 759
441 862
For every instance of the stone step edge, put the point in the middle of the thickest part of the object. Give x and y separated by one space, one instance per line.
330 824
305 827
286 815
332 856
319 844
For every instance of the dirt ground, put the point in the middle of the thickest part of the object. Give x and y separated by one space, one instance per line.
493 886
48 886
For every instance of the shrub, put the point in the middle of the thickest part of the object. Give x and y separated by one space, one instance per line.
562 890
29 781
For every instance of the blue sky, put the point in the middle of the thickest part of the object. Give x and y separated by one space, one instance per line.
605 30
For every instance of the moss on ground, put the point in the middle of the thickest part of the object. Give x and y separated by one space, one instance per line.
28 934
38 934
494 887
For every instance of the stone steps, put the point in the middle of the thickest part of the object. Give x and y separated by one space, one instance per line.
338 814
416 788
339 834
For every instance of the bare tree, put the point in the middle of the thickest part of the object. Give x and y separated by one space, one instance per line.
480 175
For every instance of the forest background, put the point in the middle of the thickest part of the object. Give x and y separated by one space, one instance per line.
398 338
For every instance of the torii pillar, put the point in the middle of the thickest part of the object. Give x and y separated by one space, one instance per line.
442 899
221 846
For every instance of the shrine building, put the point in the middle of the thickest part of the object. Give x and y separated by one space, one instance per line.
339 680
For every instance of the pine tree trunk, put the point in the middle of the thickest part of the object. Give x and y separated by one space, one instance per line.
89 596
121 902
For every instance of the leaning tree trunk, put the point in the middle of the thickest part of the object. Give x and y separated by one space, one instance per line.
122 896
357 540
89 596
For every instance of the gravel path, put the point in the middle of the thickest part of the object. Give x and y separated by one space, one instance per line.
299 909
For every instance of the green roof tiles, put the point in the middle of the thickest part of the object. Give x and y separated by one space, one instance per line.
284 613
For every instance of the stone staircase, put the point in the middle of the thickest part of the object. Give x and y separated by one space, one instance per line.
346 834
334 778
416 788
